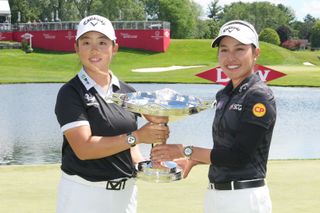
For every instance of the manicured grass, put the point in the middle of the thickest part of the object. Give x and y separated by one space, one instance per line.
41 66
294 187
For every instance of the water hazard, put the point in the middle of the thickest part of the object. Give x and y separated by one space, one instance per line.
30 134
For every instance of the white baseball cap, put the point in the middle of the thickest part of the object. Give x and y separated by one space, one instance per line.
240 30
96 23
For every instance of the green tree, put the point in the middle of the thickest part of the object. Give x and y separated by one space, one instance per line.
182 14
84 7
215 10
44 10
126 10
30 10
270 36
305 31
213 27
286 13
260 14
315 35
297 29
19 6
67 10
284 33
152 8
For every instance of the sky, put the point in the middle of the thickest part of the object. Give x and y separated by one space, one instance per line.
300 8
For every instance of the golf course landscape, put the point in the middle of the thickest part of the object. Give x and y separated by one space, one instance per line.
294 184
39 66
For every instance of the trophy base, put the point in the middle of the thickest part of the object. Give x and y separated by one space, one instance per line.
168 173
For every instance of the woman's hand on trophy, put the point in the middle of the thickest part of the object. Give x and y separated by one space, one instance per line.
152 133
186 165
156 119
167 152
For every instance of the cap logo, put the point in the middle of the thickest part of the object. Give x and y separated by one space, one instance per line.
231 28
96 19
93 24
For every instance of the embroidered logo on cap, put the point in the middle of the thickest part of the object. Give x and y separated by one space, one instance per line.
259 110
231 28
96 19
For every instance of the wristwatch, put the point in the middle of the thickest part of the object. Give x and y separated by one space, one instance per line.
131 140
187 151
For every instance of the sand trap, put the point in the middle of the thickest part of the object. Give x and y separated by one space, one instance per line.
308 64
165 69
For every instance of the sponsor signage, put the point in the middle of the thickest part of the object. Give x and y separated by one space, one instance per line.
63 40
217 75
48 36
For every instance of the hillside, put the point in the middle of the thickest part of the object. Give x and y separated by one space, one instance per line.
40 66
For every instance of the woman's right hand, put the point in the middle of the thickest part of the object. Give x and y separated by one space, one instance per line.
152 133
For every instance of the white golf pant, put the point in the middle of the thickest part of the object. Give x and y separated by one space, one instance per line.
251 200
81 196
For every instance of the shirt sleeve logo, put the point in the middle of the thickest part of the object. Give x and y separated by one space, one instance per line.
259 110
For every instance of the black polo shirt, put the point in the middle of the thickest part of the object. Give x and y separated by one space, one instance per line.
242 131
79 103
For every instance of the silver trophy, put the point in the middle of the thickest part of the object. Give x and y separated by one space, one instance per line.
164 102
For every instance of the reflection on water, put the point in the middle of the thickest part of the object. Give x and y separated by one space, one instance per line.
30 133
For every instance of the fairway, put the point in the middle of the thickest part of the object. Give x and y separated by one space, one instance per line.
294 187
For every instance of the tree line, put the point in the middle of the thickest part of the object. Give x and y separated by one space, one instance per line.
184 15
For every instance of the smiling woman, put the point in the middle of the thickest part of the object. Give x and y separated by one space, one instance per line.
241 131
99 144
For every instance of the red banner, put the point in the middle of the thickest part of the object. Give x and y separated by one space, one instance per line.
63 40
153 40
217 75
59 40
6 36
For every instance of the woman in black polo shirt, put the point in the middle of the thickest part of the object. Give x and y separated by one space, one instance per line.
99 137
242 129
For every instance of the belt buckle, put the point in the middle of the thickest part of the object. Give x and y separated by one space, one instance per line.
116 185
232 185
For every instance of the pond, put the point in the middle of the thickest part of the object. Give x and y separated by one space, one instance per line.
30 134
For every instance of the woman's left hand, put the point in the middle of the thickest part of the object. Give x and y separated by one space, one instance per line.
166 152
186 165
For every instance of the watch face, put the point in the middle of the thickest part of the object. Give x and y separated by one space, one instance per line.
131 140
187 151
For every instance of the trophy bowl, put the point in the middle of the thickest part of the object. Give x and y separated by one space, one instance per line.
164 102
169 172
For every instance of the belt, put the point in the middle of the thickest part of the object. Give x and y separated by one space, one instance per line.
234 185
116 184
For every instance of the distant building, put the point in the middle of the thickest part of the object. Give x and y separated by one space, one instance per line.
296 44
5 12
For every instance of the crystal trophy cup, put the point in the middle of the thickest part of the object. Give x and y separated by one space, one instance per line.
165 102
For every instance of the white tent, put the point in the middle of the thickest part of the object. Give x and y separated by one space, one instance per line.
4 8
